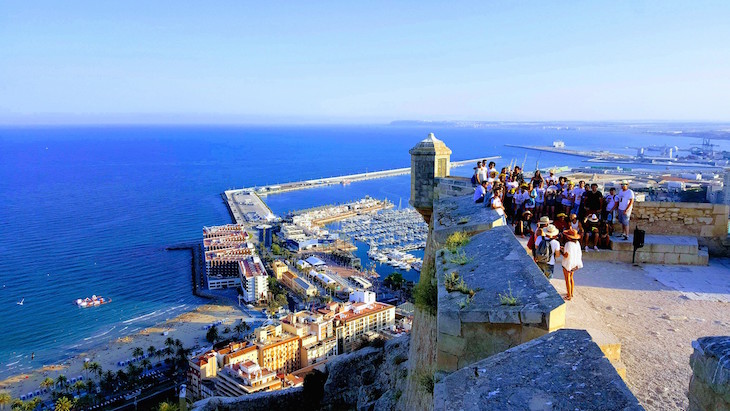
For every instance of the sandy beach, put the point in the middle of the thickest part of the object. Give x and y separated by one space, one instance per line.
187 327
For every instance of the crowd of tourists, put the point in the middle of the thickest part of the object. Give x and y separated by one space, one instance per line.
560 217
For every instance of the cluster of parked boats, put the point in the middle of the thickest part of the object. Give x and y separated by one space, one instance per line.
402 229
390 233
396 258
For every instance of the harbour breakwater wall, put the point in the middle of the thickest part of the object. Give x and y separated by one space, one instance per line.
707 222
196 267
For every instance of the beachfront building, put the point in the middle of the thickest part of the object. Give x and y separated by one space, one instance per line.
361 315
201 368
253 280
314 351
224 247
245 378
278 351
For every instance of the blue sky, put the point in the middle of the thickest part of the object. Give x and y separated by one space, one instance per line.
280 62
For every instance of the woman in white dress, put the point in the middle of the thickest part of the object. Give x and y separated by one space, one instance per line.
572 259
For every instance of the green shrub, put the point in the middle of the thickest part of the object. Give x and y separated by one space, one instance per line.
425 295
460 258
457 240
507 298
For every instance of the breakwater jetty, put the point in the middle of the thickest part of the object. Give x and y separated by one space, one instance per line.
246 204
603 154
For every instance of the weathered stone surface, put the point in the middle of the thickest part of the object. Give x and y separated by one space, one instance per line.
367 377
454 214
495 267
710 384
559 371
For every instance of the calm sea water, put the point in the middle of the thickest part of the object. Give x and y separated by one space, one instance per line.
90 210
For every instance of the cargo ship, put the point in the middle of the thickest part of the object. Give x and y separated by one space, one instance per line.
92 302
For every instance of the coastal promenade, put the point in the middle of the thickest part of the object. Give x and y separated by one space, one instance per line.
246 204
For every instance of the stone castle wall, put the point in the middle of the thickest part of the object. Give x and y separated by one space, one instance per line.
693 219
707 222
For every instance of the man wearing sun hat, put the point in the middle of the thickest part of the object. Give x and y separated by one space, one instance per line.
625 200
545 256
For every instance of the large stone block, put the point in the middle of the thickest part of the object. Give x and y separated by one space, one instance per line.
540 374
454 214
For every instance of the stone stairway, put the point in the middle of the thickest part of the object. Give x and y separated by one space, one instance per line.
658 249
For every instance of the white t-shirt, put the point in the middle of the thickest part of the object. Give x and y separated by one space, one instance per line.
578 194
623 199
482 174
497 202
554 244
610 201
540 198
479 192
521 197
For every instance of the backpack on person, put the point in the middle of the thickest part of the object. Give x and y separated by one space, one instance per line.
474 179
543 251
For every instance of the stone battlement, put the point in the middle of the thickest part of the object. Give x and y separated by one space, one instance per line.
709 388
495 266
564 370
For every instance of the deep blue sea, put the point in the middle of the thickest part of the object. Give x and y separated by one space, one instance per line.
90 210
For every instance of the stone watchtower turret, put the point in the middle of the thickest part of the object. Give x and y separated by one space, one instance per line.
429 159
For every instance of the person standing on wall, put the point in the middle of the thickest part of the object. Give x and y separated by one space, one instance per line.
625 206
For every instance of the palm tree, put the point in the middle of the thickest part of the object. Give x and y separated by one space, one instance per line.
63 404
146 364
241 328
212 334
178 343
5 399
167 406
78 386
48 383
95 368
107 381
62 382
137 352
151 351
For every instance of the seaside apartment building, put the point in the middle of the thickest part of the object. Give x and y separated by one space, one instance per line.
245 378
317 335
253 280
299 340
360 316
200 368
278 351
224 247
